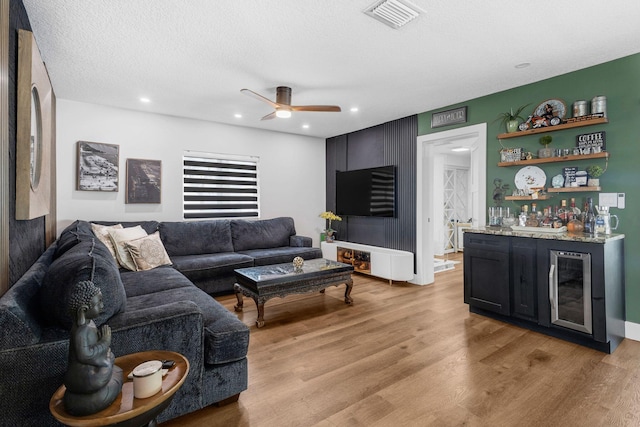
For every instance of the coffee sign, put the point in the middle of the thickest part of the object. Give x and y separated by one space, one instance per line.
594 139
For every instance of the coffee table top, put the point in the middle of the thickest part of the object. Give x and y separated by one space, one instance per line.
283 273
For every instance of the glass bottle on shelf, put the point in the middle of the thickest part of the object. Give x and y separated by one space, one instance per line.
563 212
524 214
574 209
557 221
590 217
574 225
547 220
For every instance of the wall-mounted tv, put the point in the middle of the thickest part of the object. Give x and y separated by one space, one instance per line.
366 192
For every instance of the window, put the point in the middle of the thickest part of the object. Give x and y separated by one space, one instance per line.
220 186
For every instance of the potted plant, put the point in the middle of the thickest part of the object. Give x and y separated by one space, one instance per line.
509 120
546 151
330 216
594 172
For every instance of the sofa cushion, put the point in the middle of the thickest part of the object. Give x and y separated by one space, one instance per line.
88 260
261 234
119 239
197 267
226 338
150 281
148 252
71 236
282 255
20 315
196 237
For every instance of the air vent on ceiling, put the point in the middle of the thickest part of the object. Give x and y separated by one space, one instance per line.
394 13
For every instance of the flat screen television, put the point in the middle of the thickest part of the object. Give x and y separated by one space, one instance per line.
366 192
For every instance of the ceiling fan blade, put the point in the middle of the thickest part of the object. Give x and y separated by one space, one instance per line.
330 108
259 97
269 116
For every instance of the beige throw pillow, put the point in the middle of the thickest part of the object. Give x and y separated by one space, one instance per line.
148 252
102 233
119 238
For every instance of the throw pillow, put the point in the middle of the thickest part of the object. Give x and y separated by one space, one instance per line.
148 252
119 237
102 233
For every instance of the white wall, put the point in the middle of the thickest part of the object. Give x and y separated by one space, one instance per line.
291 168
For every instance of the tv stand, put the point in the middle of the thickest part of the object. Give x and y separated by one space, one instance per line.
390 264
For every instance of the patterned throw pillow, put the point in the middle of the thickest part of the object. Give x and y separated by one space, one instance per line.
148 252
102 233
119 238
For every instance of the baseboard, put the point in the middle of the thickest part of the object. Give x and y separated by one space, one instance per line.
632 331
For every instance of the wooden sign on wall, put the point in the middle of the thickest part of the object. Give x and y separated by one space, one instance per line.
449 117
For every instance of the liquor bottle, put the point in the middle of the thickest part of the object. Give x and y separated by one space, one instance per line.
547 220
524 213
557 221
590 217
563 212
574 209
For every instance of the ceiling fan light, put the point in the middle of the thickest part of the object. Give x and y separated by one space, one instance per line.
283 114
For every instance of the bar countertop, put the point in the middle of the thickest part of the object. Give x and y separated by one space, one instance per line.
567 236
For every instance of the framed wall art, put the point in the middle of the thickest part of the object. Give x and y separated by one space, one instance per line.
98 166
143 181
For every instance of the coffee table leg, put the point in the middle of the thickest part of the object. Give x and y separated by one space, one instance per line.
347 292
238 307
260 320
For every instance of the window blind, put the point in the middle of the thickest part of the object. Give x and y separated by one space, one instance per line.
217 186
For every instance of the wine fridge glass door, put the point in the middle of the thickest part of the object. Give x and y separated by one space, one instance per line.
570 290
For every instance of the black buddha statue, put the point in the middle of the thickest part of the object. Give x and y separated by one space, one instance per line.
92 380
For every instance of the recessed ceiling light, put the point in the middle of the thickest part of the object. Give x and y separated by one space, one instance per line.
305 126
237 116
145 100
460 149
354 109
523 65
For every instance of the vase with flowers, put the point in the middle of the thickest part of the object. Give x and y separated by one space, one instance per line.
329 232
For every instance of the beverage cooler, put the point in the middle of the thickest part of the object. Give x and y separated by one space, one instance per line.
570 290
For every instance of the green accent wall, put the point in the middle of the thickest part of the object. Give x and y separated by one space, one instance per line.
619 81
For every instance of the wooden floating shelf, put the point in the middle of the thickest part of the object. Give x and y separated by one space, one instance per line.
572 189
576 124
525 198
603 154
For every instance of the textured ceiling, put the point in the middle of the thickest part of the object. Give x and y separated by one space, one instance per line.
192 57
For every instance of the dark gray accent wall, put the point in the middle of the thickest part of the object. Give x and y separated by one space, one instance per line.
392 143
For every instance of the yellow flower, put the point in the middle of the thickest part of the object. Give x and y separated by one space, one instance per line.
330 216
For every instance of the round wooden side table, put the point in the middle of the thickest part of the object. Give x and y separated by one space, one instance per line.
126 410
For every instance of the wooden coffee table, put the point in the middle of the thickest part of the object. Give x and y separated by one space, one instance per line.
270 281
126 410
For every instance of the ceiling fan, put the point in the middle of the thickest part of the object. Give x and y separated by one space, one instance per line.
283 107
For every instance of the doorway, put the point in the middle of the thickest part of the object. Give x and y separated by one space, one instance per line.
429 188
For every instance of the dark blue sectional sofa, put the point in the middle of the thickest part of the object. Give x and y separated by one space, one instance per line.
167 308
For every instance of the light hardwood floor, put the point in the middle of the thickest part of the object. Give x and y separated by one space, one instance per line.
406 355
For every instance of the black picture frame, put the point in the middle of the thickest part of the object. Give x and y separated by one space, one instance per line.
144 181
98 166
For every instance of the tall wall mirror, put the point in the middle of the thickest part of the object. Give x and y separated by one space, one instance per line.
34 133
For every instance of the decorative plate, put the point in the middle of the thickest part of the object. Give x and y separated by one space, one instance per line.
530 177
559 108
